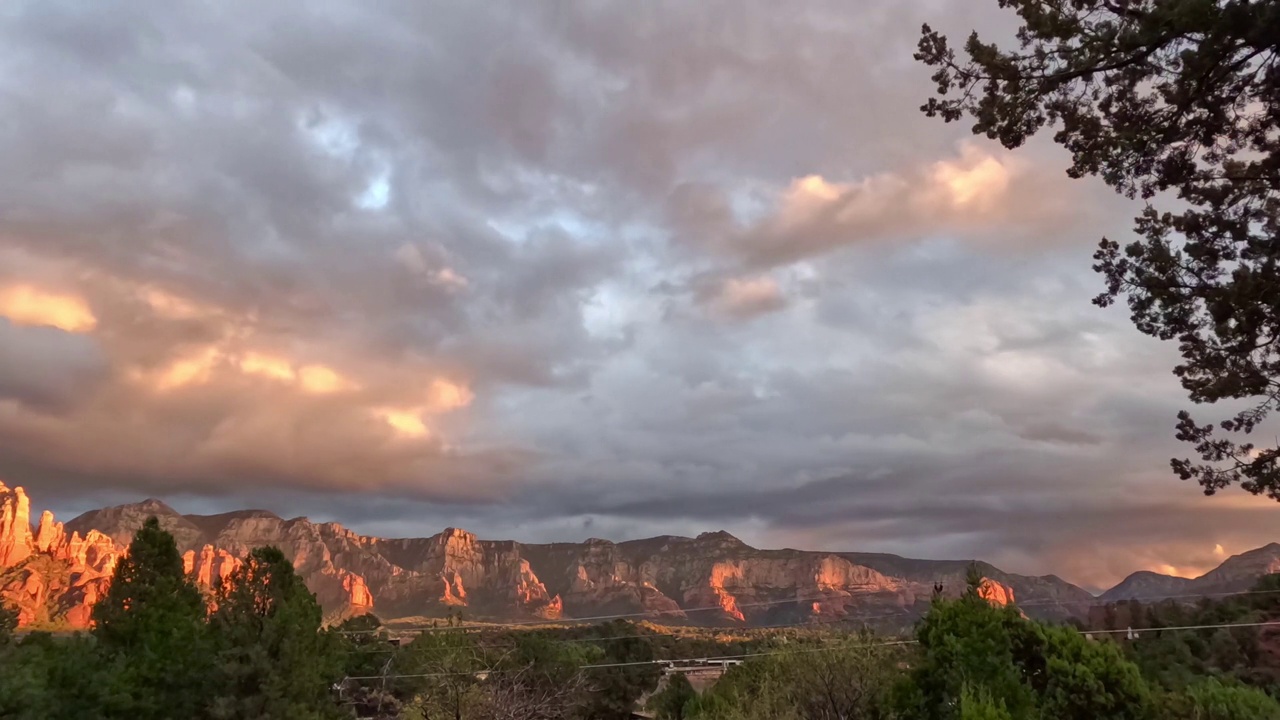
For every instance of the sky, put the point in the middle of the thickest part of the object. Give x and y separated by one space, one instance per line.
550 271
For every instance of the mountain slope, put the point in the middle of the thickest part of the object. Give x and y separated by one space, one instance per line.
1236 574
713 579
1145 585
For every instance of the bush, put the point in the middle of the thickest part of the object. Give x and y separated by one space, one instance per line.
1211 699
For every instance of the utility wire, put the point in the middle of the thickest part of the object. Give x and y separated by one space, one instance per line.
789 651
802 625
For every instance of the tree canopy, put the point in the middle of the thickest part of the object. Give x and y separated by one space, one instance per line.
275 660
982 661
1176 102
152 624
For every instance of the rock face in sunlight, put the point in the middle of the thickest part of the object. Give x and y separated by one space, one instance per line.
995 593
15 526
55 573
209 566
455 570
51 578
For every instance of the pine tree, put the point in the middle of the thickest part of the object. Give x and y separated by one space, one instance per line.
151 624
274 659
669 703
973 649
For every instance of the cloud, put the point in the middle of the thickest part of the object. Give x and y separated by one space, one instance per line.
549 270
742 298
45 369
33 307
980 194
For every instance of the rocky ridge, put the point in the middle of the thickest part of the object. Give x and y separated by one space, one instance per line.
55 573
50 576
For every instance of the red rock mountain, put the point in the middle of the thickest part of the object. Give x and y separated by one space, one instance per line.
51 577
55 573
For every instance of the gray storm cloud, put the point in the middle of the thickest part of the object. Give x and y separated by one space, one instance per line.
568 270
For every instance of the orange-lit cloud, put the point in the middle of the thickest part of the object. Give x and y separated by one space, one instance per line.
976 179
269 366
977 192
198 367
407 423
33 306
744 297
314 378
445 395
321 379
168 305
956 188
442 396
192 369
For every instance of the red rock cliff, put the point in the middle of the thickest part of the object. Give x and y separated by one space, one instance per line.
15 526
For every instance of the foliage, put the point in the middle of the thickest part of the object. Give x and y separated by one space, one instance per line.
1178 659
47 678
151 622
669 702
972 648
274 660
981 706
748 692
8 623
968 646
1212 700
1161 98
464 676
615 690
1083 679
850 679
443 670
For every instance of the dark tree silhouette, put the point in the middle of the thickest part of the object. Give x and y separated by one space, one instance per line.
151 623
1178 99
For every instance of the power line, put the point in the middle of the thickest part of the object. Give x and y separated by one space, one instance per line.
1139 631
806 625
788 651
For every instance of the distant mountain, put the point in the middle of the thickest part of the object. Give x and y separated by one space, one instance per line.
1144 585
714 579
1237 573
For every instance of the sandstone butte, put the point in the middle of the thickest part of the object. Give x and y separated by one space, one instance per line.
55 573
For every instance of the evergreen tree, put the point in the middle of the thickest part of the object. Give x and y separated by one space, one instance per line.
274 659
1080 679
971 647
151 624
669 703
43 677
980 706
968 646
1213 700
618 688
